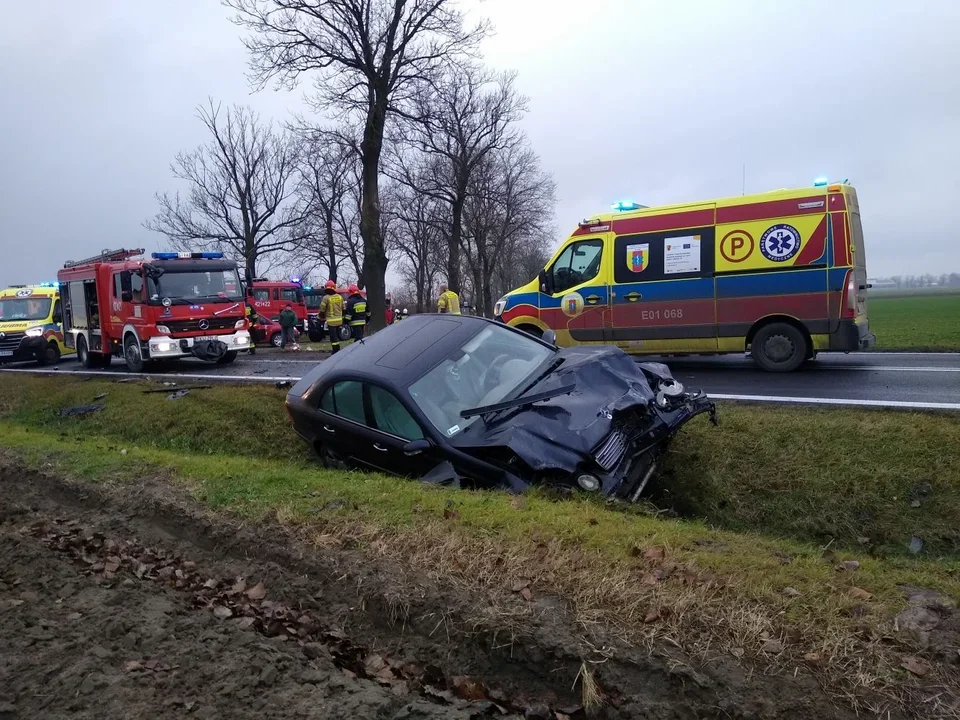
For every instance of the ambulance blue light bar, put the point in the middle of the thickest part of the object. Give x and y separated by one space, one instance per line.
626 206
821 182
187 256
49 284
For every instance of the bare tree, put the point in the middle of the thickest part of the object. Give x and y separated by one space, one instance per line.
418 240
328 190
507 222
240 200
460 120
369 56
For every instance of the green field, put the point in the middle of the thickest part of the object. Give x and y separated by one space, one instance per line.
916 321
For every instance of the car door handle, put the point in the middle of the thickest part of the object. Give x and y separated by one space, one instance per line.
329 429
633 296
593 299
379 447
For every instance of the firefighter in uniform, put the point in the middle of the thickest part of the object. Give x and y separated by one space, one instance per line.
331 309
252 320
448 302
356 313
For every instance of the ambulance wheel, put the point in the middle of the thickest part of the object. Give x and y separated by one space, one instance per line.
50 355
228 357
779 347
275 340
132 353
83 354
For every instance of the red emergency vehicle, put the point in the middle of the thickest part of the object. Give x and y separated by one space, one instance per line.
270 297
172 306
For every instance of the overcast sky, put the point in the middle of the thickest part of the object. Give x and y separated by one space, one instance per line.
657 102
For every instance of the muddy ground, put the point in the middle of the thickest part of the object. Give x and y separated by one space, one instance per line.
134 602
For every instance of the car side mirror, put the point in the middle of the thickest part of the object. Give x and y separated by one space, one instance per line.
58 316
416 447
442 474
549 337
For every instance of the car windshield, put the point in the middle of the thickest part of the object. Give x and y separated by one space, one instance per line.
491 366
24 309
209 286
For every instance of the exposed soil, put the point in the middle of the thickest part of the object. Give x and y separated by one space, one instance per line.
134 602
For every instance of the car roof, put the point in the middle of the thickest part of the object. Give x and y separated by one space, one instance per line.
402 352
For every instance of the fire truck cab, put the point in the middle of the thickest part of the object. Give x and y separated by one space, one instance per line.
270 297
172 306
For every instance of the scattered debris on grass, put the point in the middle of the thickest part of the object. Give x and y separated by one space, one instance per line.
80 410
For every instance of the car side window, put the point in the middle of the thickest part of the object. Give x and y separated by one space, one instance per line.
578 263
345 399
390 416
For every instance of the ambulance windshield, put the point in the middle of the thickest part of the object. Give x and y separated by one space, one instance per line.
194 286
13 309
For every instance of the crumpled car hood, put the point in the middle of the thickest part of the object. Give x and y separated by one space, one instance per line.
560 432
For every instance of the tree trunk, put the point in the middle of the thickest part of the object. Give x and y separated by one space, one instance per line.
375 257
453 246
250 260
331 247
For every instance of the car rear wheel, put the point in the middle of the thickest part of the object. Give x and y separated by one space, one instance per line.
132 353
275 340
779 347
328 458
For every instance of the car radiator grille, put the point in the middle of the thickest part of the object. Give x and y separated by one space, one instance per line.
612 450
11 341
179 326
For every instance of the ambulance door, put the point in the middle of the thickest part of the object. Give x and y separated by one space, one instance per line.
575 293
662 299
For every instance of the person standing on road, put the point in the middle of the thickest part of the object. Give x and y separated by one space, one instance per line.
331 310
356 313
390 317
288 328
252 321
448 302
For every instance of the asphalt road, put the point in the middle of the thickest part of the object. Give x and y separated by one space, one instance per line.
926 381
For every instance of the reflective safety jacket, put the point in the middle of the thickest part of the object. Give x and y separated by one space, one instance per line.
449 302
357 313
331 307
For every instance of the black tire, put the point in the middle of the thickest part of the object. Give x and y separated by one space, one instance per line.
50 355
228 357
344 333
132 354
779 347
315 336
275 340
328 458
83 354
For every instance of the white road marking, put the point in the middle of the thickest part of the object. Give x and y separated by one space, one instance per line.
787 400
885 368
156 376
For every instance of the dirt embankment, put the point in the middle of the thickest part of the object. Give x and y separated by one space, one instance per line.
133 602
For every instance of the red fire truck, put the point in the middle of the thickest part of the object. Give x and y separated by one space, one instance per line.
172 306
270 297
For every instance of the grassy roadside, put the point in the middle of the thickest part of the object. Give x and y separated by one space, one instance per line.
920 322
649 577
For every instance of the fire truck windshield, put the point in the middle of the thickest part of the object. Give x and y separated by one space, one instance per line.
194 286
24 309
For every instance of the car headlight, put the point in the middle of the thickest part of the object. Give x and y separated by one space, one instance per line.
239 324
163 329
34 332
499 306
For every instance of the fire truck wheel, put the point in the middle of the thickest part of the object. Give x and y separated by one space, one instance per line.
132 353
227 358
275 340
49 356
104 360
83 354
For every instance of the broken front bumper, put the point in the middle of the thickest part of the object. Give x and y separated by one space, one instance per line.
164 347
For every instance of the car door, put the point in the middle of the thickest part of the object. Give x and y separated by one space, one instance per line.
393 426
662 298
576 303
342 422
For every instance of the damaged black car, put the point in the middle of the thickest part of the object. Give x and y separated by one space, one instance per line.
469 402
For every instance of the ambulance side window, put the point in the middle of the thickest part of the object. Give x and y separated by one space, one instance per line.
578 263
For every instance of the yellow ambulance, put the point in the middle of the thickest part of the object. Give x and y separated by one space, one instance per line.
31 324
781 275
